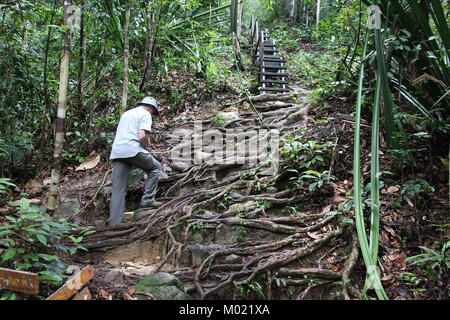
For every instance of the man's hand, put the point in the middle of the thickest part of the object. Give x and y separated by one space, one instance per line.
145 140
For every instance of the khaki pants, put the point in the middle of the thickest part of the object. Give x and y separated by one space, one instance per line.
119 177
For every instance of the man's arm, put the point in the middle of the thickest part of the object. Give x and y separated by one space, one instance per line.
145 139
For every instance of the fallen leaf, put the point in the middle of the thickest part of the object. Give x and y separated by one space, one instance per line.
314 235
392 257
31 201
387 278
126 296
410 202
384 239
401 260
33 186
91 162
389 229
104 294
338 199
326 209
334 268
392 189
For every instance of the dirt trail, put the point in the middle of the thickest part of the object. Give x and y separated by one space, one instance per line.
224 229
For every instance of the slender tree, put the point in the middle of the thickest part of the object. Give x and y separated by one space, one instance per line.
62 108
153 9
318 13
239 18
45 122
126 53
82 59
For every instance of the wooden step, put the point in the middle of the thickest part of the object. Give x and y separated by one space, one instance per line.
270 50
272 56
274 81
274 89
272 67
279 59
274 74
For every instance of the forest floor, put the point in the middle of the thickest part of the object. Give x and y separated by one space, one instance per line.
232 231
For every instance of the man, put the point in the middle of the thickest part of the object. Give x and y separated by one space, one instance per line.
131 148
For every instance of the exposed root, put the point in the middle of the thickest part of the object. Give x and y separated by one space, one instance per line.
194 195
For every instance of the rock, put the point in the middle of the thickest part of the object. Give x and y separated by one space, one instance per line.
114 277
271 190
163 286
224 234
243 207
139 270
201 157
179 166
137 252
69 207
33 186
100 223
208 215
128 216
235 195
140 213
166 168
199 253
210 105
232 259
294 117
228 116
105 192
163 175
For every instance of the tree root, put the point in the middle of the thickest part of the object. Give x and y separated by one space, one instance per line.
293 238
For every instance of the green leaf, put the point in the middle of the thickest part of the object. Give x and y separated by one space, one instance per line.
9 254
42 239
48 257
24 204
359 214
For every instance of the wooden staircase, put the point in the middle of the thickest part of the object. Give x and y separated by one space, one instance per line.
272 69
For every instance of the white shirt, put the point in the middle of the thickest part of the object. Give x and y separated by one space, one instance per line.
126 143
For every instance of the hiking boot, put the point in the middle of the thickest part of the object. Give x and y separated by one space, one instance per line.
154 205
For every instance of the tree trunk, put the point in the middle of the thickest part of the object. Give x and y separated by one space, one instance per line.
306 15
61 114
240 17
234 14
238 55
82 61
151 24
126 52
318 13
290 10
286 8
45 123
300 14
293 10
